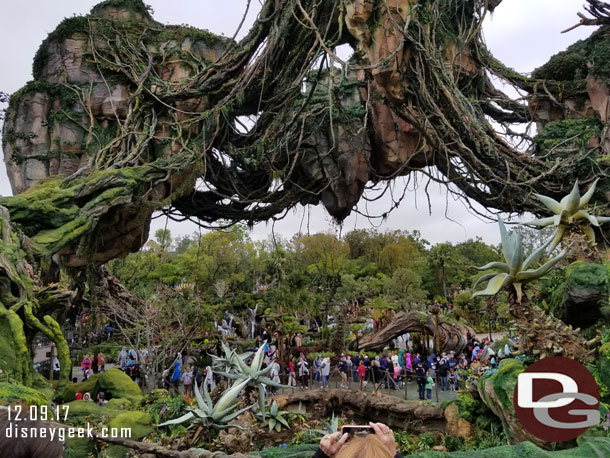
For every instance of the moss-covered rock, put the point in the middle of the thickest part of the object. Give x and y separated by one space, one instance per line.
114 383
457 425
139 426
79 448
497 392
590 56
119 404
80 412
139 423
17 393
582 298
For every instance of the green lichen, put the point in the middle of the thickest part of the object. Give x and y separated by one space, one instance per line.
136 6
52 205
140 423
567 134
11 393
119 404
590 56
179 33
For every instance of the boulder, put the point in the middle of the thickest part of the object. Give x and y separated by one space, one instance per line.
114 383
139 423
457 426
582 299
497 392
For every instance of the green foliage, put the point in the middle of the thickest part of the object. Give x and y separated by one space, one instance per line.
566 133
274 418
590 56
16 393
162 406
137 6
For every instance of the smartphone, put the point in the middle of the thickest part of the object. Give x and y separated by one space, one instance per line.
357 430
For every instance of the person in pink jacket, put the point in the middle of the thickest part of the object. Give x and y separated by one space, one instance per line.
86 367
408 366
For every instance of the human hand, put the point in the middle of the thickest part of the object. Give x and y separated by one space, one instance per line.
329 444
385 435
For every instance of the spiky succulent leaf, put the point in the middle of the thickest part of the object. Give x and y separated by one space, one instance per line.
505 240
483 278
230 395
495 265
549 203
268 382
275 408
571 201
535 255
200 401
584 200
257 361
494 286
230 375
261 399
233 416
178 421
542 222
515 251
206 396
558 236
527 275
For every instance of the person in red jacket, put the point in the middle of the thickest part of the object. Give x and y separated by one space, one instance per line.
292 380
362 371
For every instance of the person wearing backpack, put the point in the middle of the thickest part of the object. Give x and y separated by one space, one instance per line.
343 372
317 374
325 370
420 375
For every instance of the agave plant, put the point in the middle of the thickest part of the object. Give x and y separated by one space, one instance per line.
212 415
328 427
570 211
274 417
515 271
254 373
228 362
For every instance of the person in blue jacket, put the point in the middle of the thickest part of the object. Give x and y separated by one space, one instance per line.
176 376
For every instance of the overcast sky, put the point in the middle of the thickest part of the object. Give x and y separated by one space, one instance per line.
521 33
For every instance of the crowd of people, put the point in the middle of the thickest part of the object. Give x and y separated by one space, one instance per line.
389 369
